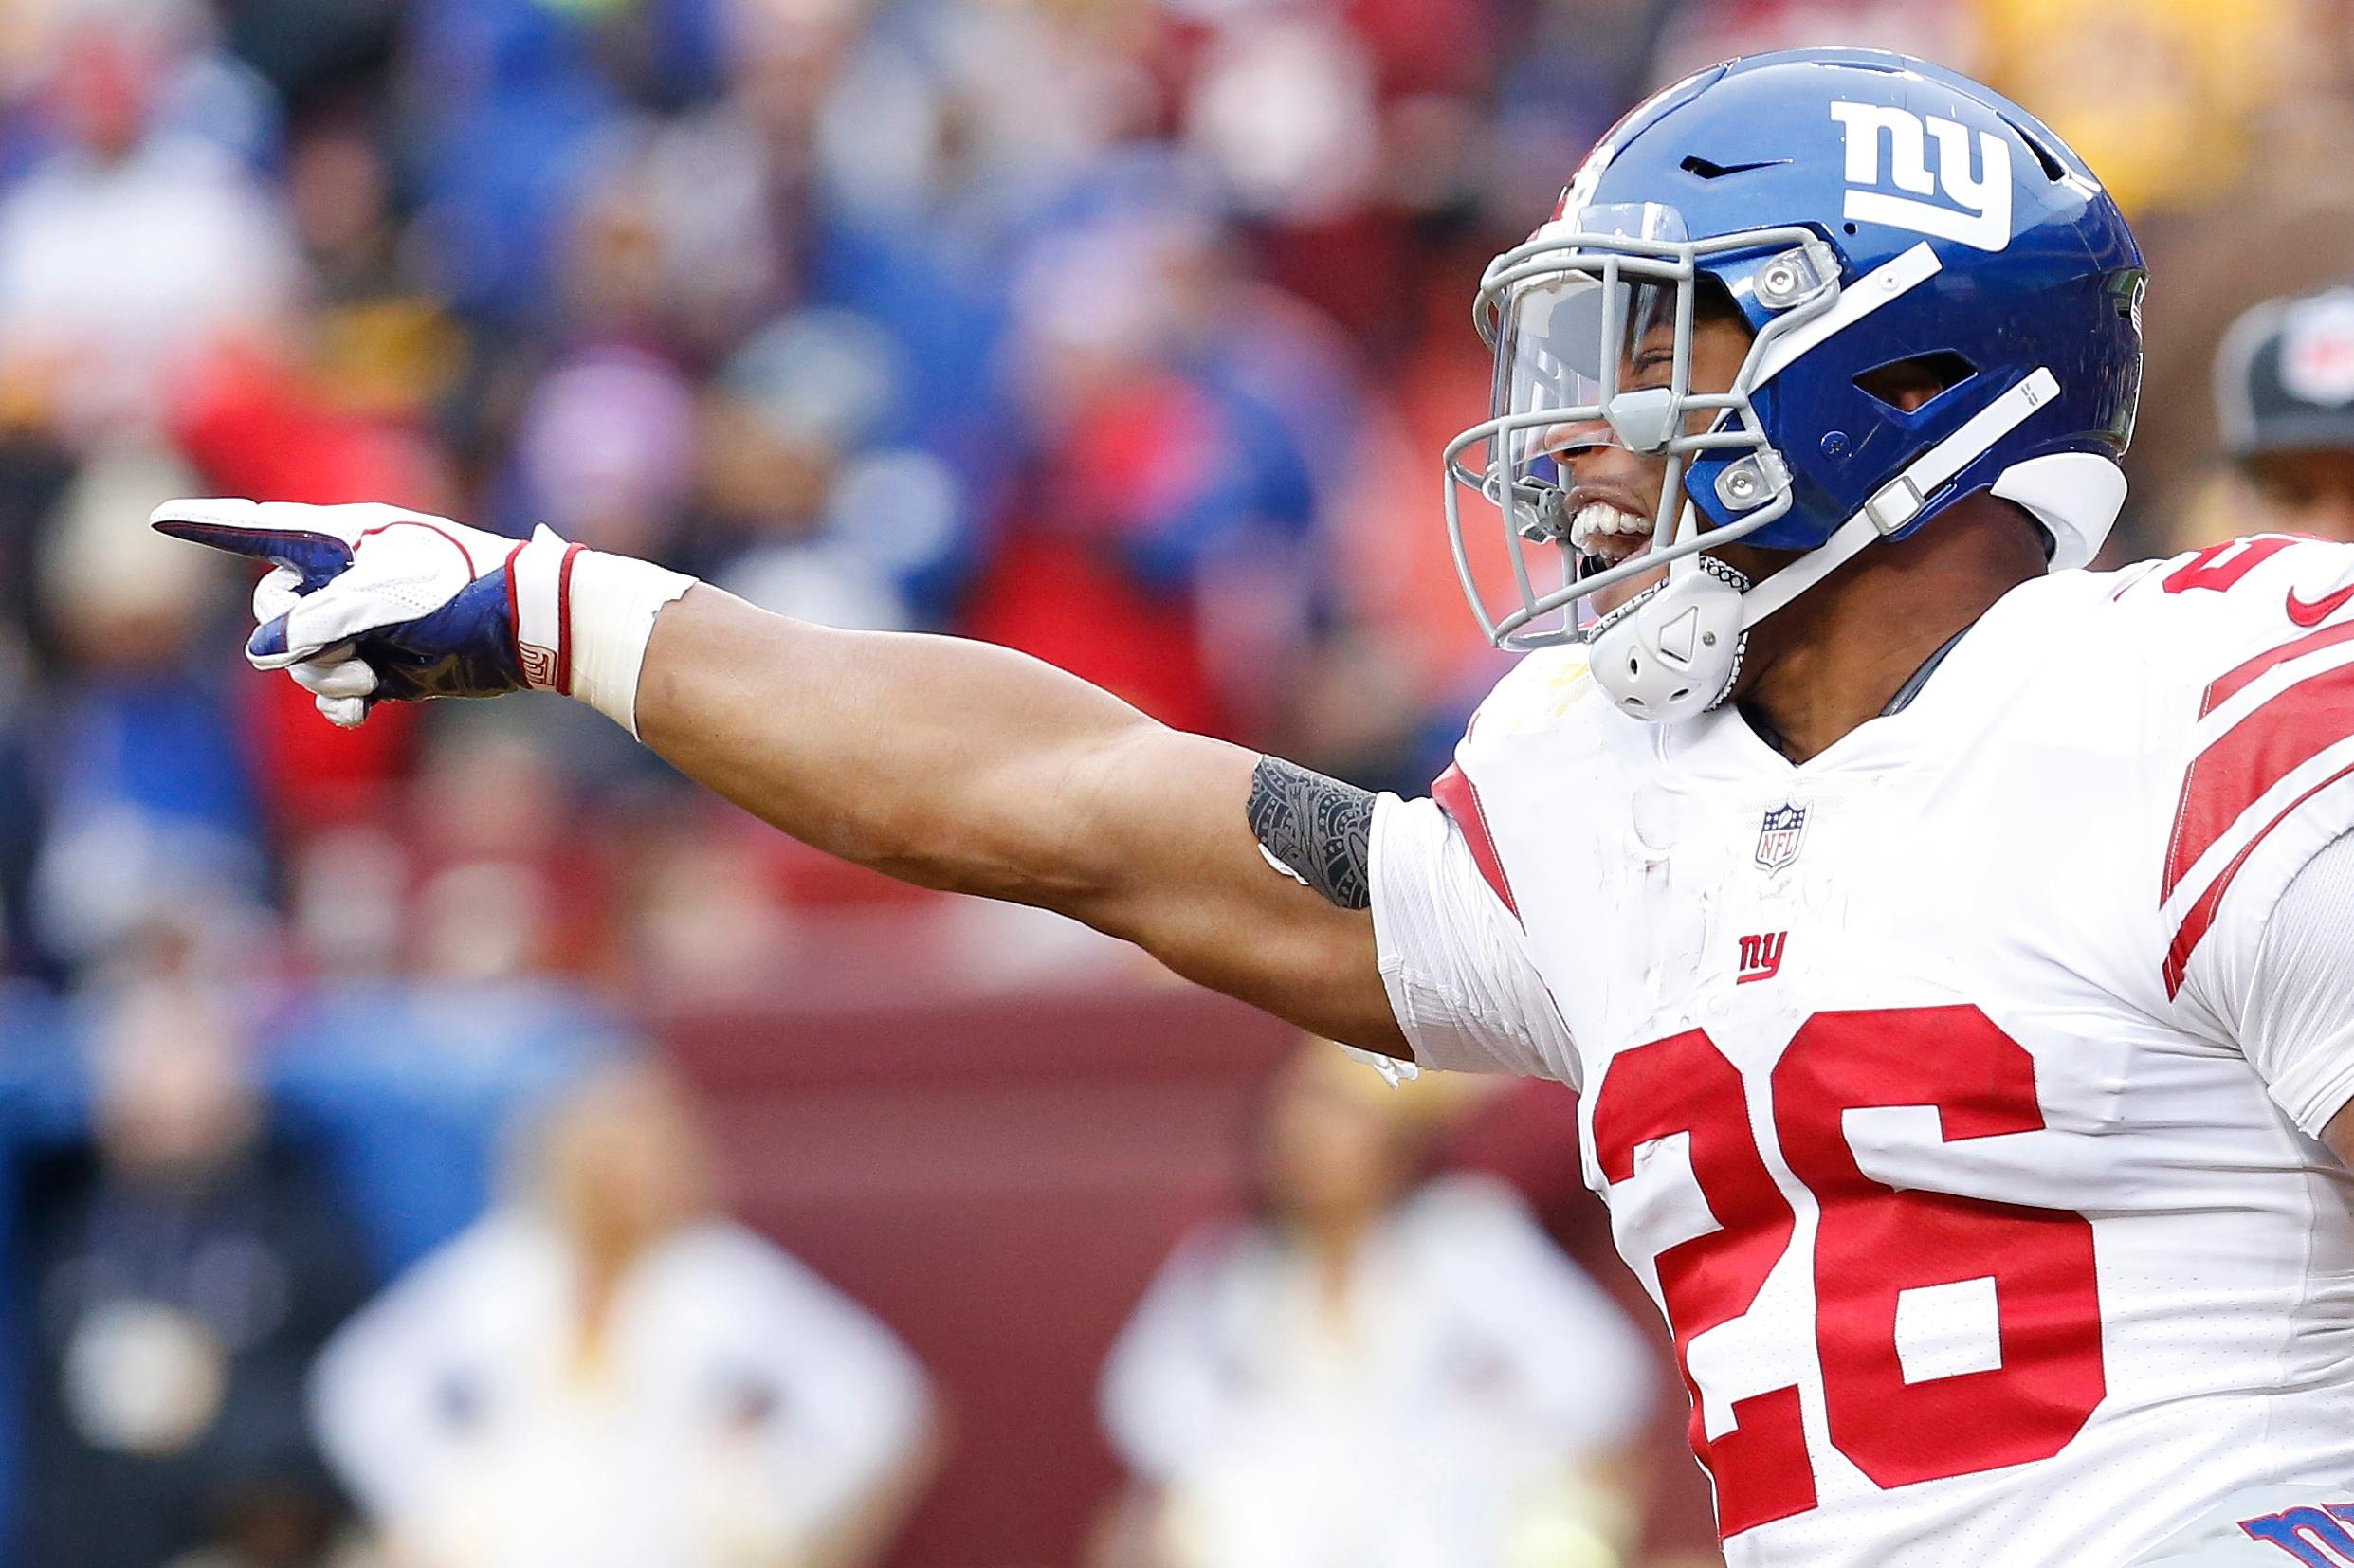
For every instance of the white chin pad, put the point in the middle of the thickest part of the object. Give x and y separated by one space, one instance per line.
1673 652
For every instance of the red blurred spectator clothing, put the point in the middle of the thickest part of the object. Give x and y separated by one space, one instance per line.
1130 465
311 774
1393 544
1068 604
1445 46
257 427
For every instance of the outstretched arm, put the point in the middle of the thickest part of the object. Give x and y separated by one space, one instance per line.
949 763
969 767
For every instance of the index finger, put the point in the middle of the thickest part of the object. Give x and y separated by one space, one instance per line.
314 542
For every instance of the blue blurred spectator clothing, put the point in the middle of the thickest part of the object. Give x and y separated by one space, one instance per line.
940 294
216 98
22 821
685 45
412 1088
812 501
171 1324
24 139
508 105
151 804
166 746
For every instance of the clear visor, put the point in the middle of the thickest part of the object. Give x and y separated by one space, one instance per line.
1592 322
1569 344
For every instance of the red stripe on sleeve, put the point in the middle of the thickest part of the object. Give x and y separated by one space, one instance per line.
2201 916
1459 799
2228 686
2230 777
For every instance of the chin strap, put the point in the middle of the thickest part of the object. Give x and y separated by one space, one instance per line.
1775 592
1900 501
1675 650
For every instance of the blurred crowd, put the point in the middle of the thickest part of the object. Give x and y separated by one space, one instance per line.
1377 1367
1378 1358
599 1371
1122 331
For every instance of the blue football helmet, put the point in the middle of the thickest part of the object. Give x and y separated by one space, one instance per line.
1860 209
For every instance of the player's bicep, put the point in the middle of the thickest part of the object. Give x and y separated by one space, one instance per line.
1181 867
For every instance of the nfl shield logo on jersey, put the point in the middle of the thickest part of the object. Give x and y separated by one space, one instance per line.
1781 836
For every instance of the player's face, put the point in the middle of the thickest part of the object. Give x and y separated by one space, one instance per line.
1613 493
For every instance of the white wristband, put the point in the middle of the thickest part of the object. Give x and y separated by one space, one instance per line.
583 618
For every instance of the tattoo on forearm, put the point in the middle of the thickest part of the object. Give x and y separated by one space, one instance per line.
1318 828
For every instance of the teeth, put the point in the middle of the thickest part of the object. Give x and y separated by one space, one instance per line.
1597 519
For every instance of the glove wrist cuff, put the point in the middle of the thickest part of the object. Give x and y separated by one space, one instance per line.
583 618
539 586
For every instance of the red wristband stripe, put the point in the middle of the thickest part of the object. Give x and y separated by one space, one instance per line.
515 618
564 620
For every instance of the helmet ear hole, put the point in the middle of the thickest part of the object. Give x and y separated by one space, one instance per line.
1910 384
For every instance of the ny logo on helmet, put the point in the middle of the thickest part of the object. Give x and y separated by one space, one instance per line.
1982 194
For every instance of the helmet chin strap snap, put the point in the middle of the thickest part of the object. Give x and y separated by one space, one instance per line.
1673 650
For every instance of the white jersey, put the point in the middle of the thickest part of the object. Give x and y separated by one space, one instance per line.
1930 1082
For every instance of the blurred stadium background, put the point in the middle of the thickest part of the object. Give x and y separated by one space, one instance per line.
1125 331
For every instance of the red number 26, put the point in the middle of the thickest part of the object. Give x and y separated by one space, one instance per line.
1873 1243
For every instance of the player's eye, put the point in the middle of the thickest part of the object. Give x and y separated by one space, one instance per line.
1651 368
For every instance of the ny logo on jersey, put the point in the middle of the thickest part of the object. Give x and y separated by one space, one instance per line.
1760 956
2316 1537
1980 196
1781 836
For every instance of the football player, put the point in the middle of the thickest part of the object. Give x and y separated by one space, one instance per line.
1950 943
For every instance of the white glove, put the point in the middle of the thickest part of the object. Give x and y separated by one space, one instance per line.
371 603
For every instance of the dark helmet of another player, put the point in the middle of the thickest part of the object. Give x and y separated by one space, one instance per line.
1860 209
